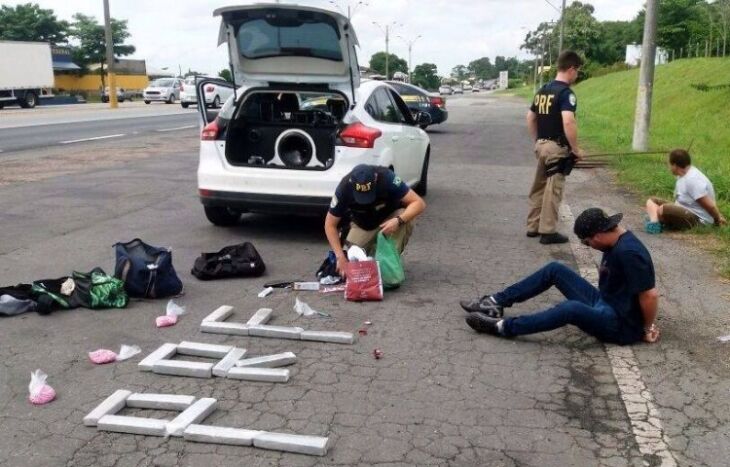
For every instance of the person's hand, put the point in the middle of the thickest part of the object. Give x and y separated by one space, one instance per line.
721 221
390 226
341 263
579 154
651 334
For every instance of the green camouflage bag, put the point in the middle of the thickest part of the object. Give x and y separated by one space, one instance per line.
96 289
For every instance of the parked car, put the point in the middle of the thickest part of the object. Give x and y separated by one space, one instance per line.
446 90
458 89
165 90
467 87
475 88
419 100
302 119
215 94
122 95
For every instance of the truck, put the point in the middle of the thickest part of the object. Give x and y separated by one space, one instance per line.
26 73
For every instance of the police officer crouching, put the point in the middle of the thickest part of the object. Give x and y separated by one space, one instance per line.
552 125
377 201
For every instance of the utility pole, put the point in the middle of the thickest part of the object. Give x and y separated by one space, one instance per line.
562 28
386 30
410 49
542 57
642 117
110 57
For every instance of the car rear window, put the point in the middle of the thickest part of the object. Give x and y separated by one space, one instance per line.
289 33
161 83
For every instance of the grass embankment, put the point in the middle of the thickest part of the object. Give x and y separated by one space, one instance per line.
681 115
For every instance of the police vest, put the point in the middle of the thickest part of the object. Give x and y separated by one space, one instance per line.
548 107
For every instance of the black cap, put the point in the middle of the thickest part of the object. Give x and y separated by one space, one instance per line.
593 221
362 181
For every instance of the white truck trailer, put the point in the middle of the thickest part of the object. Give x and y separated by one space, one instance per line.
26 73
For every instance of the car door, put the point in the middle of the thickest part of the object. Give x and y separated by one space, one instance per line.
411 144
208 115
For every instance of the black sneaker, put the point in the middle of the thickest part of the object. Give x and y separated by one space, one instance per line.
553 238
484 305
532 234
483 323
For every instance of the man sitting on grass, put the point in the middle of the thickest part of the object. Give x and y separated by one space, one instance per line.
694 198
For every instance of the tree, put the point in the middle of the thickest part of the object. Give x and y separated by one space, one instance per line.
395 63
613 38
482 68
426 76
91 47
29 22
225 73
459 72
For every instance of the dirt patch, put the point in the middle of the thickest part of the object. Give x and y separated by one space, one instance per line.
86 158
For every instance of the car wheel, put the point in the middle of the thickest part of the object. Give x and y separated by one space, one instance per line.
184 105
171 99
146 102
28 101
422 187
216 102
222 216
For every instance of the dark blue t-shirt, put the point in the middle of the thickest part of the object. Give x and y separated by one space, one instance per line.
626 271
389 191
549 104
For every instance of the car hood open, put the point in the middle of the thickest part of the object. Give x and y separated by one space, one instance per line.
278 43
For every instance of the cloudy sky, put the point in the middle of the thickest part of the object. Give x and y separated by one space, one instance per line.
184 33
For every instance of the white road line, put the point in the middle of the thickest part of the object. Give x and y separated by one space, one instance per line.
91 139
643 414
177 128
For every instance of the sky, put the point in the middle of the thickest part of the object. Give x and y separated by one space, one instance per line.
182 34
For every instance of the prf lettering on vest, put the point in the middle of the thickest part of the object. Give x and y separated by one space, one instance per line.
544 103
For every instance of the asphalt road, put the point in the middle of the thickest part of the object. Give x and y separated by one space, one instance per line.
441 394
48 134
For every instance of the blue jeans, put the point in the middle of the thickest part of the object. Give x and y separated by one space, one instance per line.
584 307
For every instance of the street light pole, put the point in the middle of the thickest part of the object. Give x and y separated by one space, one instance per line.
410 48
562 28
642 118
110 57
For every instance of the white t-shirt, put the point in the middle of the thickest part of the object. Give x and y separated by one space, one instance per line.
691 187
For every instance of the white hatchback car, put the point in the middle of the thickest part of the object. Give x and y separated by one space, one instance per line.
215 94
301 119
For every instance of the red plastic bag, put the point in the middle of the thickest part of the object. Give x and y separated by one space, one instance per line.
363 281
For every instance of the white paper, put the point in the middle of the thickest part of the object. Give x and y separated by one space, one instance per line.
173 309
127 352
303 309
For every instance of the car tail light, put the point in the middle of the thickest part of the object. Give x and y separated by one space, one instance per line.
205 193
181 86
209 88
438 101
211 131
358 135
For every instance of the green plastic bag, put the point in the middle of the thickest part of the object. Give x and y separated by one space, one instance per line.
391 266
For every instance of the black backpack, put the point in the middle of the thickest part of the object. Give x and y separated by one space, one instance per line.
232 261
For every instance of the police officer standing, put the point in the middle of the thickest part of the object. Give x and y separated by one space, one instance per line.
552 124
376 200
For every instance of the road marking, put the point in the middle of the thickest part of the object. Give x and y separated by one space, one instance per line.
92 139
638 401
177 128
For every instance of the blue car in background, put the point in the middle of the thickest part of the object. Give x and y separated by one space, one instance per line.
419 100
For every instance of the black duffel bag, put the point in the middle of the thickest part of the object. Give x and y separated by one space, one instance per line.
232 261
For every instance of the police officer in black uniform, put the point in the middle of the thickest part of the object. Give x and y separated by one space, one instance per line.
552 125
376 200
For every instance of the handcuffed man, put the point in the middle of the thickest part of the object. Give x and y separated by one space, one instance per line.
622 310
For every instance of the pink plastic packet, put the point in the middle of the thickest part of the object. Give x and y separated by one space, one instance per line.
165 321
171 314
103 356
40 392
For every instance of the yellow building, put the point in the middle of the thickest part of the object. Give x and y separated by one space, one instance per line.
131 74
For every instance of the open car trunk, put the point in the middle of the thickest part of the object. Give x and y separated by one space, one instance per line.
285 129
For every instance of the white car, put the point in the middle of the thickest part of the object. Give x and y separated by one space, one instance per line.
165 90
215 94
445 90
302 118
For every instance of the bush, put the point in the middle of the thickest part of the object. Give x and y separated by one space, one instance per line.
515 83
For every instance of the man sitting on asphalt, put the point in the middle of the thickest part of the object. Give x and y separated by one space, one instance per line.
376 201
622 310
694 199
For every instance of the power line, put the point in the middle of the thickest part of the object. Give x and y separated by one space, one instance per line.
556 8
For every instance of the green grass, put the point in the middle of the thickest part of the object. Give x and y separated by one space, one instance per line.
681 115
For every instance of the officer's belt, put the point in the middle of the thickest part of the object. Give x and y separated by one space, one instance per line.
556 141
